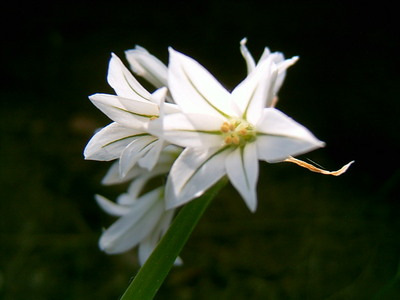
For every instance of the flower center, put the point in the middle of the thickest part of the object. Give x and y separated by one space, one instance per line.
237 132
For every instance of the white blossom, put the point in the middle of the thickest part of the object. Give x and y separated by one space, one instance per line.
131 109
227 133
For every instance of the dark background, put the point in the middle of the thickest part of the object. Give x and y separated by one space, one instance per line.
312 237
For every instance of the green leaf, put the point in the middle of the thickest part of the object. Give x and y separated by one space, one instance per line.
152 274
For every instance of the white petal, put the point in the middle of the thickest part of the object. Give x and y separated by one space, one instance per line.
242 169
147 246
194 89
170 108
127 112
109 142
251 64
266 53
193 173
280 136
158 97
134 151
131 228
123 82
112 208
252 94
134 190
282 66
148 66
165 160
189 130
149 160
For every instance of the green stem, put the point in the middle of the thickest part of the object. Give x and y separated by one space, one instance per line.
152 274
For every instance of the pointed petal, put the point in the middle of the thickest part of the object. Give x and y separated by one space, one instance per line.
165 161
194 89
189 130
251 64
158 97
134 151
147 245
193 173
109 142
242 170
252 94
170 108
148 66
150 159
266 53
134 190
127 112
280 136
112 208
131 228
123 82
282 67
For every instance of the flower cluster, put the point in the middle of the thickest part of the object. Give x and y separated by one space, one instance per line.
192 129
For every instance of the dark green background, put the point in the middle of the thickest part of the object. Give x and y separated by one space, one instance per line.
313 236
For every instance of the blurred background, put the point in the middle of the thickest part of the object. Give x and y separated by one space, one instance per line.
312 237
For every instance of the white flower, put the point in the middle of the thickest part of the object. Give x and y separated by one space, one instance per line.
227 133
131 109
143 219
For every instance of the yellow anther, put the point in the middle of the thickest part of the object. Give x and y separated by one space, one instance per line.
237 132
228 140
235 140
243 131
153 118
225 127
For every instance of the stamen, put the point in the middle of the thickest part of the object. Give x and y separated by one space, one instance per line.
243 131
228 140
237 132
235 140
225 127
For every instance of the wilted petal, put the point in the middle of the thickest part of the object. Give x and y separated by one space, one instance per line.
148 66
242 170
315 169
123 82
131 228
194 89
194 171
109 142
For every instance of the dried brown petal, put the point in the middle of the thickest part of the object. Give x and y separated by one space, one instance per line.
313 168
